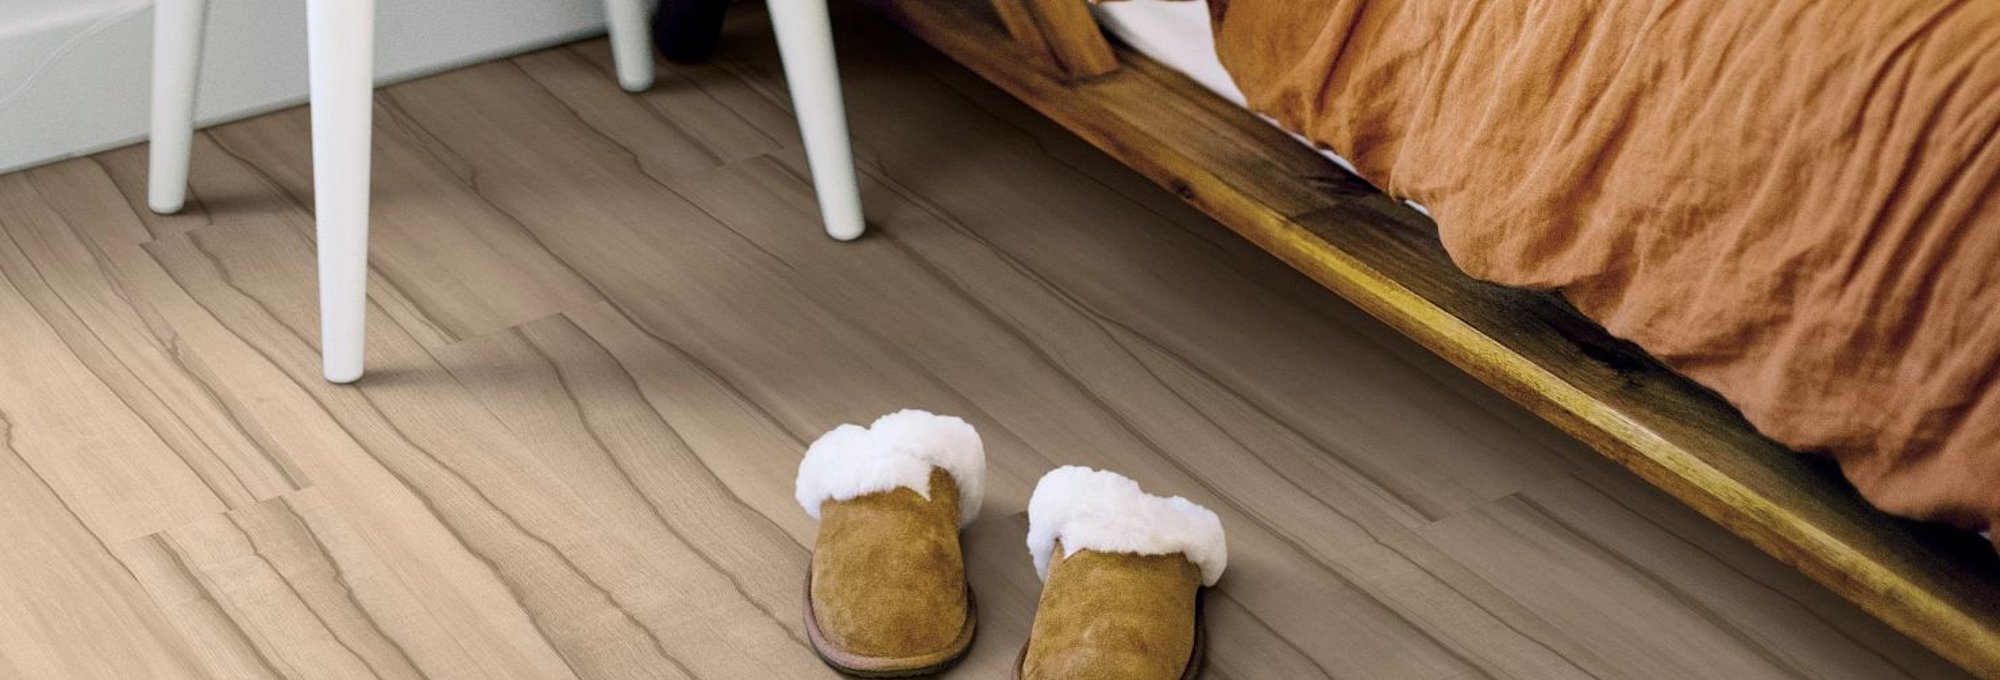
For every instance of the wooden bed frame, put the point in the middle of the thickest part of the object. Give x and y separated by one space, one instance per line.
1940 588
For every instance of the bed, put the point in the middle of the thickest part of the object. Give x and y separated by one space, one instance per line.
1159 107
1178 35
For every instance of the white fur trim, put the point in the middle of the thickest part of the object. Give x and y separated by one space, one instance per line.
1106 512
899 450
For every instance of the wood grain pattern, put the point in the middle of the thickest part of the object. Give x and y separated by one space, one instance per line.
1060 33
425 223
591 477
1942 589
285 588
67 607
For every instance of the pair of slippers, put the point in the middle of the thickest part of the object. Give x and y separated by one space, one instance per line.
1122 571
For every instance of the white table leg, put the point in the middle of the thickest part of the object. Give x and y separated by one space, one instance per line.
631 44
805 41
176 66
341 42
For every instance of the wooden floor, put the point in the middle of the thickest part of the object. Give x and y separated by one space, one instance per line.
605 326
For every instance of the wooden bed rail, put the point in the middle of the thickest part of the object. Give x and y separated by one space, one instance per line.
1061 33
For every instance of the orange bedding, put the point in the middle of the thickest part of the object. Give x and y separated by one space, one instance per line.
1796 203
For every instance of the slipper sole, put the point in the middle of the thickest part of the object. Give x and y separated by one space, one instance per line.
860 665
1194 656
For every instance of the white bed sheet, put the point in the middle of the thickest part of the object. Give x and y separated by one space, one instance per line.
1177 34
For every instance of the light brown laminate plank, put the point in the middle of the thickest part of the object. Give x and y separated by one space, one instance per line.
610 609
264 374
58 265
679 123
68 609
587 417
234 302
216 184
76 432
463 268
286 588
1545 540
1668 522
228 190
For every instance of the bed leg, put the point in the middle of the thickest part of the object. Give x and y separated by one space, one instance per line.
1062 32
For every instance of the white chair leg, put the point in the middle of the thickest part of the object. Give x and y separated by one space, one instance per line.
631 43
340 41
805 41
176 66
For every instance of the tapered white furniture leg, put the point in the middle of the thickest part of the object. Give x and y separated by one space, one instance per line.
340 37
176 66
631 46
805 41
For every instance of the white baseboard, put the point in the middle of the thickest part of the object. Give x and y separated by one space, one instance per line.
74 77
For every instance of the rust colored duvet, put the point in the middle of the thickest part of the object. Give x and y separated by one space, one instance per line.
1795 203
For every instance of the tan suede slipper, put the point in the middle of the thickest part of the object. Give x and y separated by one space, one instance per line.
887 595
1122 579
